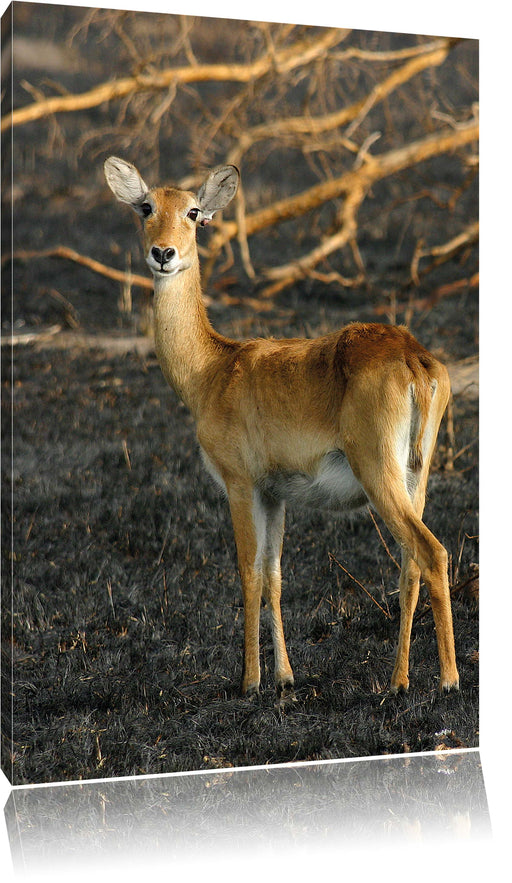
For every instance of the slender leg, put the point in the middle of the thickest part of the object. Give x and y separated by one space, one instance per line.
378 459
259 526
409 590
275 513
420 547
431 558
409 586
249 530
439 590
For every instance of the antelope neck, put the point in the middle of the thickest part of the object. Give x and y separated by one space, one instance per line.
185 342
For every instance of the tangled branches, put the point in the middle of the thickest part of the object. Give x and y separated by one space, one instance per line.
319 120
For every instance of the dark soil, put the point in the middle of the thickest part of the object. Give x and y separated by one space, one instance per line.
119 577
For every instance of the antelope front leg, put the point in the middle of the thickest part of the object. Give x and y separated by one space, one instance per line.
251 588
249 539
283 673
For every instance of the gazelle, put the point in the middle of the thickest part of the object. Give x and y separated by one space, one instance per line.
339 421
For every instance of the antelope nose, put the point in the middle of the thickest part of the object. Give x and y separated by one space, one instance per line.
162 255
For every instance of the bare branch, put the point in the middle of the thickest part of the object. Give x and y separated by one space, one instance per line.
445 252
432 54
353 186
352 100
61 251
283 61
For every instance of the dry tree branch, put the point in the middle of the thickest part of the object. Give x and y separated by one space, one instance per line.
443 253
353 186
62 251
286 274
432 55
373 170
125 278
440 254
300 53
350 187
429 301
386 55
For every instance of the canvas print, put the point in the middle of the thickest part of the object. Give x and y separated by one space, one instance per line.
240 393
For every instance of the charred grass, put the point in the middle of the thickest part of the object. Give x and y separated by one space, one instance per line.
126 611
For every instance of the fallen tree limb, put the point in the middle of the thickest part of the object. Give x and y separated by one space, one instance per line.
432 55
34 336
299 53
62 251
353 187
430 300
443 253
374 169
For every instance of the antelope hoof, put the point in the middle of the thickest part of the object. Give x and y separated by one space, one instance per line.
285 694
399 686
399 690
251 691
449 686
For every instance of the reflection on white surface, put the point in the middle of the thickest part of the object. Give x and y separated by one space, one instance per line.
182 818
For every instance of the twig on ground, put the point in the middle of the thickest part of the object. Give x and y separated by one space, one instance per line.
383 541
365 590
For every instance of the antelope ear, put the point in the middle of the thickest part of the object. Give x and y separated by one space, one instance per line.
217 191
125 182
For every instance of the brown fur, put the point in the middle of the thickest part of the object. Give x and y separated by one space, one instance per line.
357 410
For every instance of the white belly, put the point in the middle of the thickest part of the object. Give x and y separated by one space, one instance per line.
333 487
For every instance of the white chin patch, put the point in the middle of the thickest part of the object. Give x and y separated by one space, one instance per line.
169 269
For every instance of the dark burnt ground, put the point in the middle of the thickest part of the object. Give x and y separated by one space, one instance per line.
127 606
119 568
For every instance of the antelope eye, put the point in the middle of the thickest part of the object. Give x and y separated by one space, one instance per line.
193 213
146 209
